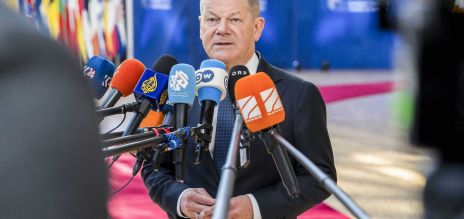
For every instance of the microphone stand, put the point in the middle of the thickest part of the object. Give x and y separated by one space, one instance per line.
129 107
229 172
134 146
134 137
325 180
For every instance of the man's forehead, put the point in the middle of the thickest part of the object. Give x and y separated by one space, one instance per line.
229 13
231 6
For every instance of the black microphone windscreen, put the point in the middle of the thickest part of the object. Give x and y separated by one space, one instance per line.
236 72
164 64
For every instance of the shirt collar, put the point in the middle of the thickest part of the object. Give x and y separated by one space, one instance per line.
252 64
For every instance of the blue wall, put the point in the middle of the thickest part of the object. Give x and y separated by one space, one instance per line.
303 30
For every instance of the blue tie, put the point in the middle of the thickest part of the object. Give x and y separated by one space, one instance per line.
224 126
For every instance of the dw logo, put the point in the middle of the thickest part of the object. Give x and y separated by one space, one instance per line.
178 81
204 77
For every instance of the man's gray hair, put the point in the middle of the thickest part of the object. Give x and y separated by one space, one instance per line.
254 6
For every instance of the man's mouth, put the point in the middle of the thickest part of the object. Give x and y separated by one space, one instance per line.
222 44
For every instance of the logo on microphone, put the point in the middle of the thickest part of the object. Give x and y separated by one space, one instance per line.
106 82
271 101
239 72
249 108
226 82
164 97
149 85
178 81
89 71
205 76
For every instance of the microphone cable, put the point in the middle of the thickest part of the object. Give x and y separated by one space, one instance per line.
124 111
123 187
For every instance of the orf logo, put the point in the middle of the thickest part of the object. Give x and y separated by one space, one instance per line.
204 77
178 81
235 73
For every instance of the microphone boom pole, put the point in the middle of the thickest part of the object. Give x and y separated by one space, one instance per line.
325 180
134 146
229 172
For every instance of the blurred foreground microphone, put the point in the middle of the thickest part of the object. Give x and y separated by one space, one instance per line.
125 78
181 92
237 72
262 110
53 173
211 80
99 72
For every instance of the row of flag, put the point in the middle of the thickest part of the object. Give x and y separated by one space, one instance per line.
87 27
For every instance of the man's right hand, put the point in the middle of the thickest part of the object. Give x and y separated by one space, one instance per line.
195 201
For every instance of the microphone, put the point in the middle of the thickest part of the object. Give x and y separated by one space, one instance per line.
167 110
181 92
99 73
150 92
237 72
211 80
262 110
125 78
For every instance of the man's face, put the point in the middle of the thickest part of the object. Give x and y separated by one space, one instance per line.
229 30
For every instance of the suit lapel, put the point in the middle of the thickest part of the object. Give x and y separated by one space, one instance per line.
274 73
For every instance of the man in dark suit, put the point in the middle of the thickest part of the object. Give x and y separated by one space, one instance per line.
51 165
229 30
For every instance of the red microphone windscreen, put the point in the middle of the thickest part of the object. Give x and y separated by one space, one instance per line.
259 102
127 75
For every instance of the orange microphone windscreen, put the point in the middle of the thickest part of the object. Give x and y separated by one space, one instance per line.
127 75
259 102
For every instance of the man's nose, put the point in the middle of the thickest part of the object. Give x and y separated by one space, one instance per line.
223 27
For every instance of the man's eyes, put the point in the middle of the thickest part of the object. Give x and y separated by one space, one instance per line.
235 20
212 20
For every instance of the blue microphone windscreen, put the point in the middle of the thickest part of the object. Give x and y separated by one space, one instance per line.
182 84
213 63
99 73
211 80
152 85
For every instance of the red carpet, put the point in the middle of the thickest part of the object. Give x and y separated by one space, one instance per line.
133 202
345 91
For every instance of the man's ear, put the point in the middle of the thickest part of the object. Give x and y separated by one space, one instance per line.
201 27
259 26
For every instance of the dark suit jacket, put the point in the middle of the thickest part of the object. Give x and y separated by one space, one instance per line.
304 127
